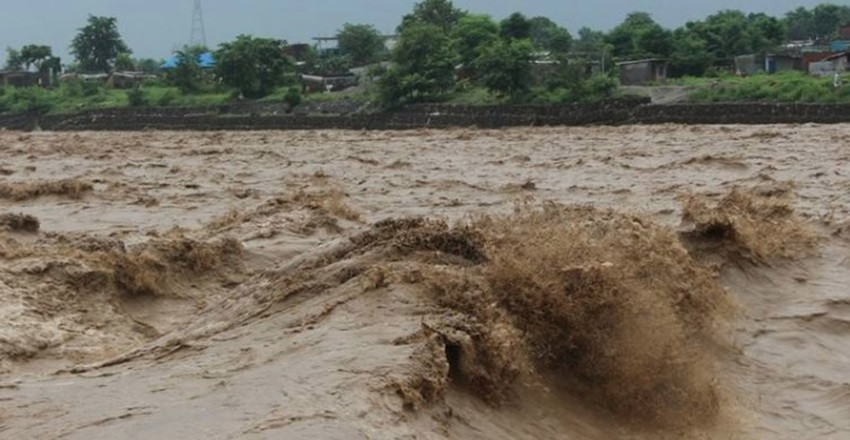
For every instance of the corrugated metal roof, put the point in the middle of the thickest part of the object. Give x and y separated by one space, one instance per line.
648 60
205 59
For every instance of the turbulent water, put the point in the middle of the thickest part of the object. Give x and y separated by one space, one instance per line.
587 283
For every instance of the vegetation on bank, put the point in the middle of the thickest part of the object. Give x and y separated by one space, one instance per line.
781 87
443 54
77 96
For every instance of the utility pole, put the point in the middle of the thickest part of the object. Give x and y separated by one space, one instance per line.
199 33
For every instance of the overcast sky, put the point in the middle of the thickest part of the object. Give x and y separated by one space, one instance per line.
153 28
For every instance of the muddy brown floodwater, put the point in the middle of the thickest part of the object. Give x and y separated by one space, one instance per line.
588 283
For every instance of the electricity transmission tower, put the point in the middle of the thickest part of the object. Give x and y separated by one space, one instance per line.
199 33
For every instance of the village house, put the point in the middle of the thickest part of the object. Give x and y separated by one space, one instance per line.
836 63
769 63
634 73
24 79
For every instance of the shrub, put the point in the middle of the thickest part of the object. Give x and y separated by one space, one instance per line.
168 98
30 100
90 88
136 97
782 87
73 88
292 97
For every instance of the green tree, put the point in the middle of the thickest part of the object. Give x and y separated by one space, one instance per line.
547 35
441 13
98 44
504 67
187 75
424 70
362 42
690 56
254 66
148 65
766 33
472 34
827 18
589 41
800 24
654 41
515 27
14 62
37 55
726 34
124 62
624 38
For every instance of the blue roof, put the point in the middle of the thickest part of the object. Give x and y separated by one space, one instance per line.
840 46
205 59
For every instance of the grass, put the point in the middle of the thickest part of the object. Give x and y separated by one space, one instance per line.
165 96
73 97
782 87
475 95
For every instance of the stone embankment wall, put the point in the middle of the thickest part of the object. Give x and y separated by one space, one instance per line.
624 111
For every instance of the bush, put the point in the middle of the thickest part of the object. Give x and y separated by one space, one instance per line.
90 88
293 97
782 87
73 88
30 100
504 67
168 98
601 86
592 89
136 97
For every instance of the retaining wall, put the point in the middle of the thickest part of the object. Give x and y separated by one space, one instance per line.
439 116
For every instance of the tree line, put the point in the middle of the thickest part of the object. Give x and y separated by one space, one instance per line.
500 56
442 50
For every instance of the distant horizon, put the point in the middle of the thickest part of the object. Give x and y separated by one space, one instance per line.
156 28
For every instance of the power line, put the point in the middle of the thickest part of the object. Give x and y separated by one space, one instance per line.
199 33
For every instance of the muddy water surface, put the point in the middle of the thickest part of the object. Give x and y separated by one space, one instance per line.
237 346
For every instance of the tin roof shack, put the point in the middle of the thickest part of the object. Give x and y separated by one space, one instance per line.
635 73
316 83
94 78
839 45
24 79
749 64
127 80
770 63
206 60
782 63
838 63
814 57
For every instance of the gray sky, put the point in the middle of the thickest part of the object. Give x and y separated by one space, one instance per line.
153 28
